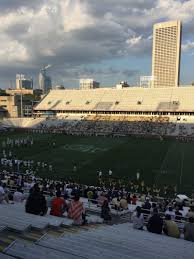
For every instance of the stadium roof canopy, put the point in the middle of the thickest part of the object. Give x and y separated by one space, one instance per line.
180 99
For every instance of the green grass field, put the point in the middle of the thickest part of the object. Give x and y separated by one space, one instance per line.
160 162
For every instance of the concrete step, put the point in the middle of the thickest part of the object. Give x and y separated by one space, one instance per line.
4 256
25 250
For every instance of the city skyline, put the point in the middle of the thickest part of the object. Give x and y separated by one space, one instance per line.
108 41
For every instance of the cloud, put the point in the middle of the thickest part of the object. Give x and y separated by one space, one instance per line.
71 34
189 45
9 5
12 51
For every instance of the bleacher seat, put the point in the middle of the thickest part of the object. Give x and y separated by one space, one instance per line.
108 242
14 217
24 250
4 256
120 241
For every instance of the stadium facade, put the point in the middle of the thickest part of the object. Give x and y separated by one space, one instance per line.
132 100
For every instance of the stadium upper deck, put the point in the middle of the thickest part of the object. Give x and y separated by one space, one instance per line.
175 101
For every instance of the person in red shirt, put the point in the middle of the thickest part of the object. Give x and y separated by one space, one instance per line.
58 205
134 200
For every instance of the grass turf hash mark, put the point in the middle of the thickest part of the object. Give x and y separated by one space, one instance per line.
84 148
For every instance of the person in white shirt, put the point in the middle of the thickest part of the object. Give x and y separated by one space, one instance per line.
170 212
110 173
18 195
138 219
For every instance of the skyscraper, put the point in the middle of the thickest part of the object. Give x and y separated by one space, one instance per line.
85 84
22 82
166 54
45 82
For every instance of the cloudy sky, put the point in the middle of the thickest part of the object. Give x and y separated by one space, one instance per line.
108 40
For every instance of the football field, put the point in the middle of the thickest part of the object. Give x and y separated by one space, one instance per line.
161 162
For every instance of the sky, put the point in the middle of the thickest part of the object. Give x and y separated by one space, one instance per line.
108 40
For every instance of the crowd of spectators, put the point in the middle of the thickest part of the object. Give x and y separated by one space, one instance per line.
59 198
167 225
110 125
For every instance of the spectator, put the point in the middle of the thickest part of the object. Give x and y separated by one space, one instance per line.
146 208
58 205
134 200
76 210
101 199
18 195
191 212
7 194
170 227
152 208
36 202
189 230
155 223
116 203
178 214
2 193
105 211
124 203
147 205
129 198
138 219
90 195
170 212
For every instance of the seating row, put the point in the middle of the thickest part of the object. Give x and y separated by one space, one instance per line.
117 241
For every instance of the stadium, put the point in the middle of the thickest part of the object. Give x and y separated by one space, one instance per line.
125 130
144 137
